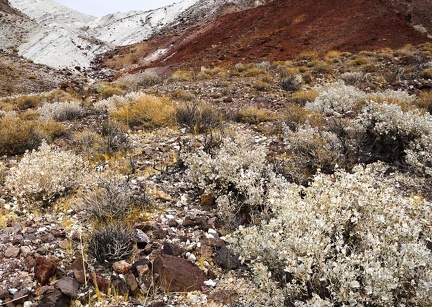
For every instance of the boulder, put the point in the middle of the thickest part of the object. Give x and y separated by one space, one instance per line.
177 274
68 286
43 270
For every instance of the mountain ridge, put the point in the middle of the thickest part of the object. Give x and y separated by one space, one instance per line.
65 38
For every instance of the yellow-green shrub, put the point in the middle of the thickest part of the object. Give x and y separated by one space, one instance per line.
184 95
254 115
17 135
147 111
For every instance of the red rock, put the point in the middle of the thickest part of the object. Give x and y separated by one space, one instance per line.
121 267
177 274
43 270
79 267
101 282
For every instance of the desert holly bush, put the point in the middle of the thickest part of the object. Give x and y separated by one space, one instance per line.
61 111
381 126
44 174
236 173
337 98
345 240
136 81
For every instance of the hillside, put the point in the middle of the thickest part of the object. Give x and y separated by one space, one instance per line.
246 153
64 38
282 29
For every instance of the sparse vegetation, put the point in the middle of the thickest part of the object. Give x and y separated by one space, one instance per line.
316 171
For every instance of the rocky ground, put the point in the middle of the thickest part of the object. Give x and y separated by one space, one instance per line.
179 256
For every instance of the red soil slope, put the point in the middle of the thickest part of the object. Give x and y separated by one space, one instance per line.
284 28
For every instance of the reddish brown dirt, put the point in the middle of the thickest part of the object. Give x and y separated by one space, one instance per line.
285 28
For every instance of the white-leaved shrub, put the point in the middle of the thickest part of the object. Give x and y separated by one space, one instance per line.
393 135
61 111
309 149
346 240
44 174
337 98
377 126
114 102
132 82
236 173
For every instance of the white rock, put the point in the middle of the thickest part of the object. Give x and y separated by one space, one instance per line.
213 232
210 283
191 257
12 291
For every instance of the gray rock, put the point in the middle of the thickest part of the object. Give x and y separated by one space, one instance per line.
68 286
227 259
55 298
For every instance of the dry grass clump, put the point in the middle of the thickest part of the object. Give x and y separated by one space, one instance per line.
27 102
113 200
17 135
427 73
254 115
424 101
106 90
308 55
182 76
302 97
209 73
3 173
146 111
89 142
50 130
295 115
182 95
197 118
111 242
261 85
321 67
